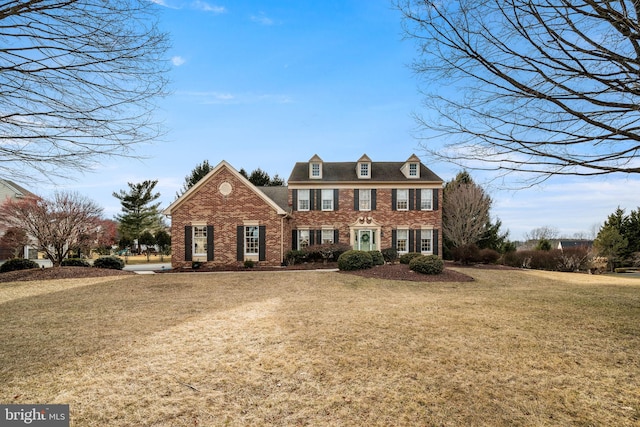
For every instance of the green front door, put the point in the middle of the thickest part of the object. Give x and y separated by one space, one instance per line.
364 240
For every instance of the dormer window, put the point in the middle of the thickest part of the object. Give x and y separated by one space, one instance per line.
315 167
363 167
411 168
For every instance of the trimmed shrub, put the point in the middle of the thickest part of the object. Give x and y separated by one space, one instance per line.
325 252
249 263
112 262
377 257
75 262
18 264
406 258
293 257
466 254
488 256
427 264
355 260
390 255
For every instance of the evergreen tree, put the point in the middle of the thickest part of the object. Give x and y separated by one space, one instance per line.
199 172
139 213
610 244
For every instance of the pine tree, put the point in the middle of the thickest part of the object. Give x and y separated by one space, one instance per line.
199 172
139 213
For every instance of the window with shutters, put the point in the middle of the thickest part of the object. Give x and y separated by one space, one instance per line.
402 241
327 235
303 200
303 239
402 200
426 199
364 200
251 240
426 241
327 200
199 240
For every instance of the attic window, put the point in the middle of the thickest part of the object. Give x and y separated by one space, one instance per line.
364 170
315 170
413 169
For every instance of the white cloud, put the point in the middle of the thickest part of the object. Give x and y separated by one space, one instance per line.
243 98
178 60
206 7
262 19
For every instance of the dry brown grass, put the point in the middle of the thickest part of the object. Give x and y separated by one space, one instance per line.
320 348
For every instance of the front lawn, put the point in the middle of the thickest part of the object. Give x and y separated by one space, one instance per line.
325 348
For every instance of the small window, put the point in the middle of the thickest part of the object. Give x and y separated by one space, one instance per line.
426 239
364 200
303 200
327 235
303 239
364 170
402 241
200 240
316 172
251 240
426 200
402 201
413 169
327 200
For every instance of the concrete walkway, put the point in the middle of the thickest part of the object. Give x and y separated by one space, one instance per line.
147 268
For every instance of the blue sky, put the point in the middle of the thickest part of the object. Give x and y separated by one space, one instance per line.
265 84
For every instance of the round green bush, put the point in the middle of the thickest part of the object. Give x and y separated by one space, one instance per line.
75 262
111 262
18 264
390 254
427 264
377 257
406 258
355 260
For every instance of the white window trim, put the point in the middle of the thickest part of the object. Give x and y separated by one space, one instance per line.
299 242
322 199
422 232
257 237
194 240
330 232
404 230
308 199
398 199
366 191
366 175
311 169
429 193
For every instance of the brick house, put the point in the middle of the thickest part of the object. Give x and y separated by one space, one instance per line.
224 219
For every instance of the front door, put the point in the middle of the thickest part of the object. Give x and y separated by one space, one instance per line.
364 240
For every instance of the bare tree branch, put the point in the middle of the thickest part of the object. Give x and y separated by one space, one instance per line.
77 82
548 87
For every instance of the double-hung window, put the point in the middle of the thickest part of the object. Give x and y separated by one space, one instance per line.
413 169
251 240
199 240
303 200
426 199
402 200
327 200
364 200
426 241
327 235
402 241
303 239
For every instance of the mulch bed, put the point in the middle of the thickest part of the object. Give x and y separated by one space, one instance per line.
387 271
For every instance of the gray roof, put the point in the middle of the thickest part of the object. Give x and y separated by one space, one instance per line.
279 194
346 172
19 190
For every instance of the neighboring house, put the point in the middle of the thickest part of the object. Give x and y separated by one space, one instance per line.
224 219
10 190
569 244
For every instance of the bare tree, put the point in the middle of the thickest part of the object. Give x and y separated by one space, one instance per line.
548 87
465 213
14 240
546 232
58 225
77 82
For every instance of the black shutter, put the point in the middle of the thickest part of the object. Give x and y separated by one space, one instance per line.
336 235
209 242
318 200
318 237
394 199
435 242
336 197
262 243
294 200
240 243
435 199
394 239
419 199
356 200
418 240
188 254
412 205
312 237
294 240
373 199
411 242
